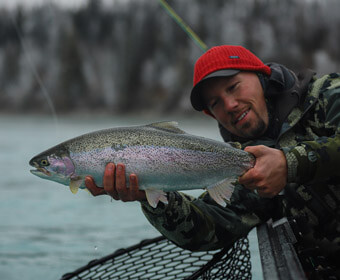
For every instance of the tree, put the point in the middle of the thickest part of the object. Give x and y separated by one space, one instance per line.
72 89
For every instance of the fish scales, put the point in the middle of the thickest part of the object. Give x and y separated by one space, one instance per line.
164 158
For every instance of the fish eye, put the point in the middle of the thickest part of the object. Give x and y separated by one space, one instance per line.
44 162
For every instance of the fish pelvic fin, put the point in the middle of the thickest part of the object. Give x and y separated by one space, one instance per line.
168 127
74 185
222 191
154 196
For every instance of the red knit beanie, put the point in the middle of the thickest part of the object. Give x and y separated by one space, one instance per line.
223 61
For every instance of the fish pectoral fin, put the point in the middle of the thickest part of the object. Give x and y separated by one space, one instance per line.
154 196
74 185
222 191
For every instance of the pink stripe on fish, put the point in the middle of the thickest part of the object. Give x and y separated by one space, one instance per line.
62 165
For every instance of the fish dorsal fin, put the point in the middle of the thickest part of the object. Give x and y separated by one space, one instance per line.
167 126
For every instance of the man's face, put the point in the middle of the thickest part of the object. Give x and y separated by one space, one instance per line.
238 103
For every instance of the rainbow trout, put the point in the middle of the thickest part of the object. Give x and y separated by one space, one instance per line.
164 157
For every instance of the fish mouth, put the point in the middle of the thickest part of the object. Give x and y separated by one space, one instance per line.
40 172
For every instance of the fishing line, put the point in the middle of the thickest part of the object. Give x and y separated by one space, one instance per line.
183 25
171 12
36 74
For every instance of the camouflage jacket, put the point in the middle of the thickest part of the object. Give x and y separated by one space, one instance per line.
310 139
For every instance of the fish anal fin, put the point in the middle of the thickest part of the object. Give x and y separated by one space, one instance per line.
222 191
154 196
74 185
167 126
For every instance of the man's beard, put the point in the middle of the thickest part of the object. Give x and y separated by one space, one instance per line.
255 132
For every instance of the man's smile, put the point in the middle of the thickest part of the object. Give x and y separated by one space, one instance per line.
241 116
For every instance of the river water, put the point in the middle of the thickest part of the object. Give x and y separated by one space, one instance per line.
45 230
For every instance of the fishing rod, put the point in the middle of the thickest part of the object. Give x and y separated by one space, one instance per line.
183 25
35 72
171 12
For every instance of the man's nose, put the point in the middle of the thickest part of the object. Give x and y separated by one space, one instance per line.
230 103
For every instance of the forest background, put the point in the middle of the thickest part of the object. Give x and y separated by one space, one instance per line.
131 57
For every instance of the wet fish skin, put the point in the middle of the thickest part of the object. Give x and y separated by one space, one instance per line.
164 157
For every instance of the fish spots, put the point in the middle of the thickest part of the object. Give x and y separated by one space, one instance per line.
118 147
162 159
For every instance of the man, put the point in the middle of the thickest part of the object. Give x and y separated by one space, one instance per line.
291 125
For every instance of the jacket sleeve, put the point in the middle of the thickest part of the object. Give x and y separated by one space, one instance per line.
318 160
201 224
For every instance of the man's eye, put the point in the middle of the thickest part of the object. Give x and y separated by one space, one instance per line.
233 87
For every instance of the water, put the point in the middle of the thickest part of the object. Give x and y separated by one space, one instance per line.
45 230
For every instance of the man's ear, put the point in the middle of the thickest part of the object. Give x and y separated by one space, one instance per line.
207 112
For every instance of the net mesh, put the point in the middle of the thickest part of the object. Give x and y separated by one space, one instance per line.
159 258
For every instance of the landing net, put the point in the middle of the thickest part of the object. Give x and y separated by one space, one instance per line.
159 258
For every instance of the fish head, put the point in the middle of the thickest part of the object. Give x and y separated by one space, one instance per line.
53 165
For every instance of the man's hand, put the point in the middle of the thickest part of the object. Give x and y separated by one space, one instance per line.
115 184
269 175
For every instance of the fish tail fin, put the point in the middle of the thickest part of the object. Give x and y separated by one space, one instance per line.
154 196
222 191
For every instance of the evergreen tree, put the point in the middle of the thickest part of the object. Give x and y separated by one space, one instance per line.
72 90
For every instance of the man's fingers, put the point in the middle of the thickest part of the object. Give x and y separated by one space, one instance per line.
109 178
255 150
109 181
122 189
120 178
246 180
114 182
249 178
133 183
135 193
91 186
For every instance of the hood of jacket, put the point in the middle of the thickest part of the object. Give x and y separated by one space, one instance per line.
280 88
